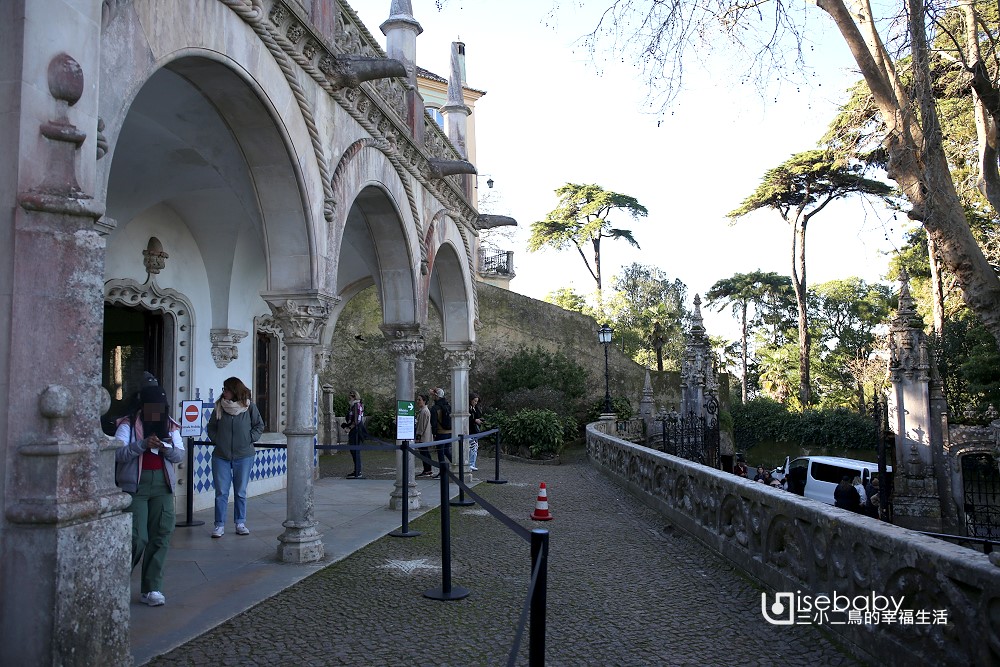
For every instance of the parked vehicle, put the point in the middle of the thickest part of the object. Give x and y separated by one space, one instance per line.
817 477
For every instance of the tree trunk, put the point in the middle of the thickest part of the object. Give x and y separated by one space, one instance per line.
799 282
744 348
918 163
937 289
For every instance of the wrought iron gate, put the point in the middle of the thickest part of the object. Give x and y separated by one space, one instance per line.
981 484
692 436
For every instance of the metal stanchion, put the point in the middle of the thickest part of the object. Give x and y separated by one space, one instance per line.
190 490
497 464
404 530
462 500
447 591
536 629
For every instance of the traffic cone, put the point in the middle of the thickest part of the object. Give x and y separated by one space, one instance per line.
541 512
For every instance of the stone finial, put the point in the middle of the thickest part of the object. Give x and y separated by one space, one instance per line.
401 16
153 257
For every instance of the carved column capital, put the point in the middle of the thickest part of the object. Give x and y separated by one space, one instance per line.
404 340
460 355
302 315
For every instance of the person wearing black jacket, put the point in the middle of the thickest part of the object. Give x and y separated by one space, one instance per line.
441 424
846 496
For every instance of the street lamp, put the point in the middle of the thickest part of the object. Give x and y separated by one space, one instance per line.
604 337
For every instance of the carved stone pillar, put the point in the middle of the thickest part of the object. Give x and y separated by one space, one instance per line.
697 372
405 343
916 498
460 356
64 538
301 317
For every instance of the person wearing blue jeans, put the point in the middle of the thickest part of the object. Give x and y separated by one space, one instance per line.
233 428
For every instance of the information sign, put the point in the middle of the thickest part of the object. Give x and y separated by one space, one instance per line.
405 412
191 419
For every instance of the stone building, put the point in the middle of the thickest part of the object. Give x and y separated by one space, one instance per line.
196 189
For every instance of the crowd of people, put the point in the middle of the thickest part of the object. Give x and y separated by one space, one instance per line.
150 445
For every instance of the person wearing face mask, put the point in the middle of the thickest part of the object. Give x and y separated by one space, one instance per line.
150 445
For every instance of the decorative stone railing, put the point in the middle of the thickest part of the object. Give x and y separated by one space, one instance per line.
799 546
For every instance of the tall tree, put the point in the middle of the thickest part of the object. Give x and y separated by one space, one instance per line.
647 303
581 219
742 291
661 33
798 189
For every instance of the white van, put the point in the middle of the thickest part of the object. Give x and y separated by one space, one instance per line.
817 477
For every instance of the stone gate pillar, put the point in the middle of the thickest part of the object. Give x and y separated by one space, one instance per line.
460 356
916 495
301 317
405 343
697 371
64 539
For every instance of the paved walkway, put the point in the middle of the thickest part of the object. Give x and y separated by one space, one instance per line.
624 588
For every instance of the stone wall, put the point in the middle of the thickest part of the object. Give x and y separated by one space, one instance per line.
789 544
507 321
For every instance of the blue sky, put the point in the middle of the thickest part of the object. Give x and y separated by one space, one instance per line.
551 116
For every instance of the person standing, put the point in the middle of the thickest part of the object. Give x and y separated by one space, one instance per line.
144 468
441 425
475 426
355 425
235 425
422 431
846 496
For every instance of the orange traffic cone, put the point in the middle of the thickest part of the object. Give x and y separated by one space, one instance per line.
541 512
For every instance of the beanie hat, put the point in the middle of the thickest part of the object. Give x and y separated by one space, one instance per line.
439 392
150 390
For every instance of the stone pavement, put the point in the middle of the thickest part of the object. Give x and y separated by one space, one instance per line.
624 589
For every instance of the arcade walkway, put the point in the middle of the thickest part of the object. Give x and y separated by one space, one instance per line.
624 589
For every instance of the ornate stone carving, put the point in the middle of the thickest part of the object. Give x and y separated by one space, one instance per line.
224 345
154 258
301 317
460 357
295 32
278 14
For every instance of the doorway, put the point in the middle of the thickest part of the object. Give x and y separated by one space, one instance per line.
133 343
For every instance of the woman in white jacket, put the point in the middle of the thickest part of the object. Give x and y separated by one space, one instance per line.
150 445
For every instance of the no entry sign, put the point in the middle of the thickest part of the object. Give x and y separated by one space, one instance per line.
191 419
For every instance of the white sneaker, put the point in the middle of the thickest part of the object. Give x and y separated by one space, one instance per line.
241 529
473 468
219 531
152 598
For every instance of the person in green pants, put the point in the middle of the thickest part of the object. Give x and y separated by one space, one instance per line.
144 468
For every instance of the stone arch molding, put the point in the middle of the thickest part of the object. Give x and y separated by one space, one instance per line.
150 296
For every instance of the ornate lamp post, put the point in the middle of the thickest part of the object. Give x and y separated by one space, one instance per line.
604 336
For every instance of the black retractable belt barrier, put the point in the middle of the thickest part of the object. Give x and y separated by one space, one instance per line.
462 500
190 490
404 530
540 564
447 591
497 466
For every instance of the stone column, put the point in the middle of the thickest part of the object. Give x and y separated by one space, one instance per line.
401 31
460 356
916 500
301 317
405 343
64 538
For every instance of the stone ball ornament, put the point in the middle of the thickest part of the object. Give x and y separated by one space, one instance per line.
65 79
55 402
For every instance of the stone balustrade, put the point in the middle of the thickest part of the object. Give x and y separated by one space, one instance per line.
795 545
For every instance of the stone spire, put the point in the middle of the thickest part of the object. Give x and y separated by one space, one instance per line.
401 31
455 112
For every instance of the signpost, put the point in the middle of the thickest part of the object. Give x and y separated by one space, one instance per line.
191 427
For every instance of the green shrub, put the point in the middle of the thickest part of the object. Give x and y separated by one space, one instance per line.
763 419
530 433
621 406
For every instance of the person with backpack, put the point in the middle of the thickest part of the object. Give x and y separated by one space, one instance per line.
441 424
356 433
